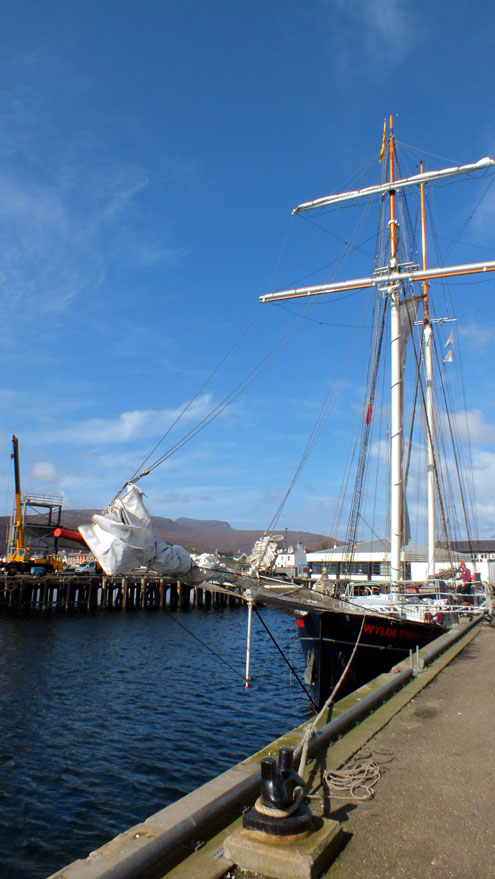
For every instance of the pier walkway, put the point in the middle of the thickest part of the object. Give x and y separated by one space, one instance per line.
433 812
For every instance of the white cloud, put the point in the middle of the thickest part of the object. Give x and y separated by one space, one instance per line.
479 334
471 425
44 471
382 30
72 210
128 426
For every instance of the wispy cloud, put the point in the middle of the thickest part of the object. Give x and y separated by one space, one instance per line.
74 211
472 426
380 32
46 472
127 426
478 333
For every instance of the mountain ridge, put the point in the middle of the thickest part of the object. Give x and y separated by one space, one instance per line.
197 535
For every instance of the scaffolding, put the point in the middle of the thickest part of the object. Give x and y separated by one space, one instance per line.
41 515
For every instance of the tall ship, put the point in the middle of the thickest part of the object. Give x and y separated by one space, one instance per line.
345 622
381 622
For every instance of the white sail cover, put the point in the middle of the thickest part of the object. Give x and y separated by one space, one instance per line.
264 553
121 539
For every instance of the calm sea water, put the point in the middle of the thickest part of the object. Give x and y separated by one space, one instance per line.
107 718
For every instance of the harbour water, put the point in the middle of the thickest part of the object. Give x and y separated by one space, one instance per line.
110 716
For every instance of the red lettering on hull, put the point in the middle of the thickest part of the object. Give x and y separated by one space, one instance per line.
389 632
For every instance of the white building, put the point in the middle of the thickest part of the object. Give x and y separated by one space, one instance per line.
371 561
292 561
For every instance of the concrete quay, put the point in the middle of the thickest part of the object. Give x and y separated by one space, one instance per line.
431 813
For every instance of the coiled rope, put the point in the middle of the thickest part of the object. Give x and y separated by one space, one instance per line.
358 780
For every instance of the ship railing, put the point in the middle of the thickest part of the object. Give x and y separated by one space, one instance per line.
435 605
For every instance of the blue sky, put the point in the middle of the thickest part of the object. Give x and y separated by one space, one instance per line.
150 156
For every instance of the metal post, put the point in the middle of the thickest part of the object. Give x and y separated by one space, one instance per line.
428 341
247 676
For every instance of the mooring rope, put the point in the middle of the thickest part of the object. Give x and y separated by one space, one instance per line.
273 812
302 747
359 778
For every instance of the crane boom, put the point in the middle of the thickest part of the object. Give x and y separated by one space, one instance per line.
19 521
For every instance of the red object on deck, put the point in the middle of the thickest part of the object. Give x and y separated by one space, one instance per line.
69 535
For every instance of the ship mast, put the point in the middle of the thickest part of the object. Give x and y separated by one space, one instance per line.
389 283
428 357
396 480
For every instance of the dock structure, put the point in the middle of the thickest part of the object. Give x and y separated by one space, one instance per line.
87 592
428 723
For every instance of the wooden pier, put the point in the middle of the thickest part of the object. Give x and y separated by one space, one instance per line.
87 592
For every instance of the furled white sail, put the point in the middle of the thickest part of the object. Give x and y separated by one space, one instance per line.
264 553
121 539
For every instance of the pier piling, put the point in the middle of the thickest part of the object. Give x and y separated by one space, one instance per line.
68 592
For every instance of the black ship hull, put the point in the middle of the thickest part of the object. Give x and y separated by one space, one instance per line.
328 639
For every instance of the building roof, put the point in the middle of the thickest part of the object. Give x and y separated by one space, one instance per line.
413 552
487 544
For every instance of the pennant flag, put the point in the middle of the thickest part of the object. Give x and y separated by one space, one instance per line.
382 151
450 340
449 357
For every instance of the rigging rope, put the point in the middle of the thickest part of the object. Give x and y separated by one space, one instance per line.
330 397
351 533
294 672
451 430
196 395
254 373
204 644
302 747
328 403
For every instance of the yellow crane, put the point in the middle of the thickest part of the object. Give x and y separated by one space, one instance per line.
20 560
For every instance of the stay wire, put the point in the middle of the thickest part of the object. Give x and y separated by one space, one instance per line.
198 392
248 379
330 398
233 395
294 672
204 644
469 217
268 358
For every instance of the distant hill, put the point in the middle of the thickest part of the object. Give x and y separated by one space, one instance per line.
199 535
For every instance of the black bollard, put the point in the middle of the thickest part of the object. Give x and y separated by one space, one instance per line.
276 812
